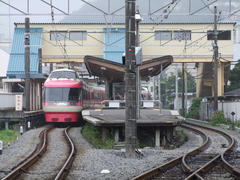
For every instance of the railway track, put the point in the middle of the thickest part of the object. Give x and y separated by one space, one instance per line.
23 167
201 165
218 166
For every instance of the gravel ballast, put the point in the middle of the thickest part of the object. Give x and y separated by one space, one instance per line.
90 164
52 160
17 152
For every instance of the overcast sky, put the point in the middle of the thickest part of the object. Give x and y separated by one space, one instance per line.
38 7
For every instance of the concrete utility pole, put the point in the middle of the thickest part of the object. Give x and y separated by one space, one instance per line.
27 65
183 90
215 47
130 78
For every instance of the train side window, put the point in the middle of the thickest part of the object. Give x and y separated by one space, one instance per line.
80 98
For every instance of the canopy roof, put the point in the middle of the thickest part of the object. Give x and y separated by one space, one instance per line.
114 71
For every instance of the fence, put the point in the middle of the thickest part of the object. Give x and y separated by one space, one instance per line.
228 107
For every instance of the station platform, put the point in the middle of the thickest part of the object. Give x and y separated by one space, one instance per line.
161 123
116 117
36 118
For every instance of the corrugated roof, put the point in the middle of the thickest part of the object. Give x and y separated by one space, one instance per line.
16 61
154 19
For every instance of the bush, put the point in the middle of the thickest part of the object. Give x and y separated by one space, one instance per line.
238 123
218 118
93 135
8 136
194 109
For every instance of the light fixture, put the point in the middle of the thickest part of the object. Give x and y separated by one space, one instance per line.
150 69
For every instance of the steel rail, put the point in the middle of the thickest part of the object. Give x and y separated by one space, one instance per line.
219 157
31 160
229 167
67 165
153 172
204 146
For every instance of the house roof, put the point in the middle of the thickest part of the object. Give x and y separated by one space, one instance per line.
154 19
235 92
16 67
120 19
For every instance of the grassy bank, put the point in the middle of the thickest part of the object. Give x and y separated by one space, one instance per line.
93 135
8 136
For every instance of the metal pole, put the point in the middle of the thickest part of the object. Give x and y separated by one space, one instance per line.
153 89
138 73
130 78
159 91
40 60
176 88
215 61
27 65
183 90
185 76
40 71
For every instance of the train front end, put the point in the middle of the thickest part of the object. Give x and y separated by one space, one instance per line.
62 100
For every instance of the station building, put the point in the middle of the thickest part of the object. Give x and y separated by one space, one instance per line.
98 31
188 39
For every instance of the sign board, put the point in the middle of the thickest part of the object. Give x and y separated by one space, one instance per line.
19 102
46 70
1 146
114 104
138 54
148 104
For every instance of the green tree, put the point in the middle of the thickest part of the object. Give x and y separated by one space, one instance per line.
194 109
234 78
168 90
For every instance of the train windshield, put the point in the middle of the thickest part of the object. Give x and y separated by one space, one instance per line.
62 94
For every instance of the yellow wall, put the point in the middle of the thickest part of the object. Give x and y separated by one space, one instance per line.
198 49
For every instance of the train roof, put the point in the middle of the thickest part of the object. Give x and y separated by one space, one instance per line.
63 83
63 73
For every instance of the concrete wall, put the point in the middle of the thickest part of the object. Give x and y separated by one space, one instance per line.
8 100
227 107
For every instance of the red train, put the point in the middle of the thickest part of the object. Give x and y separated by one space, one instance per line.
65 95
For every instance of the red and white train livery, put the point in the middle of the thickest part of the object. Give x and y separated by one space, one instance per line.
65 95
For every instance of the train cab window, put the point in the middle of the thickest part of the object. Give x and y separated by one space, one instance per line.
62 94
64 74
73 94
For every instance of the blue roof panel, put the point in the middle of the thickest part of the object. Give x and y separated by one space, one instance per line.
16 61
